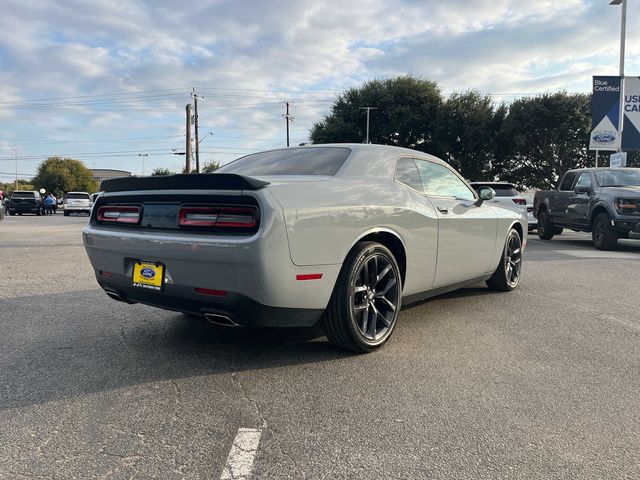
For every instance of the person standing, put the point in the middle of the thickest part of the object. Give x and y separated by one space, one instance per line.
55 204
48 205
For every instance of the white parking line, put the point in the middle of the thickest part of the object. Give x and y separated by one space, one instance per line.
242 453
597 254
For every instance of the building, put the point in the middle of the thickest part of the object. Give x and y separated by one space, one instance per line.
100 174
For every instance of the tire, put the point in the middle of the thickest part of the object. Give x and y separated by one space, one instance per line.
12 213
545 227
603 237
507 274
66 214
365 304
557 230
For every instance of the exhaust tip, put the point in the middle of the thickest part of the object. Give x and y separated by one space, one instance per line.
222 320
116 296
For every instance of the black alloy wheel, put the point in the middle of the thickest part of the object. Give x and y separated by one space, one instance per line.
545 227
507 275
602 235
366 301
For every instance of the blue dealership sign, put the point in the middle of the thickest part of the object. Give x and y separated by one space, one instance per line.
631 111
605 134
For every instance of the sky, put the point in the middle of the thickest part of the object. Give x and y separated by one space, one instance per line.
107 81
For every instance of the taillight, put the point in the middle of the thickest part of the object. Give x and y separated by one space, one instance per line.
218 217
118 214
519 201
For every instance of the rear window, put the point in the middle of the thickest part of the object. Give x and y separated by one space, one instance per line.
78 196
23 195
294 161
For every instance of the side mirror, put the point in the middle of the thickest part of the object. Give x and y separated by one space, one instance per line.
484 194
582 189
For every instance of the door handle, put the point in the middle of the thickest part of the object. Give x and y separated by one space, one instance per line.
443 209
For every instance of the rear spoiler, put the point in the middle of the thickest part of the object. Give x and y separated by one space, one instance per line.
183 181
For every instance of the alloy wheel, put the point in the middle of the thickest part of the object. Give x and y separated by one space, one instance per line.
513 259
375 297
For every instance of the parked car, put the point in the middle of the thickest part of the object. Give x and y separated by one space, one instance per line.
343 234
26 201
508 196
79 202
603 201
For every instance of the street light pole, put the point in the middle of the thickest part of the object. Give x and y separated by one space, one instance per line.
143 155
623 30
15 154
368 109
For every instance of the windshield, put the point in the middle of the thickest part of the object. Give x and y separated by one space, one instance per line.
294 161
628 177
23 195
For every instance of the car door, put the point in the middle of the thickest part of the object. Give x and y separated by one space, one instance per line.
422 236
560 203
578 209
466 231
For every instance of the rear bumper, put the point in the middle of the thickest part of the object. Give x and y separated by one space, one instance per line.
77 208
257 268
241 309
25 209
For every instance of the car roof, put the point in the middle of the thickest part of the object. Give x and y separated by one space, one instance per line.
371 159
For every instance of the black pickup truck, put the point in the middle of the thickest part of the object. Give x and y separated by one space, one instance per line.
603 201
25 201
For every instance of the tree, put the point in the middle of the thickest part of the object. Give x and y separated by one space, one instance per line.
161 171
9 187
211 166
466 131
543 137
60 175
406 114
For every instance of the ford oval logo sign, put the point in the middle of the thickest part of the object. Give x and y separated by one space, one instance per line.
148 273
604 136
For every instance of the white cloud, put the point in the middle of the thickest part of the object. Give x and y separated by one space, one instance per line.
75 48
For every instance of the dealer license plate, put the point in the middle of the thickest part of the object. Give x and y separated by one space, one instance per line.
148 275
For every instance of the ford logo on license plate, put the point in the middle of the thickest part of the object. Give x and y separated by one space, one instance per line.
148 273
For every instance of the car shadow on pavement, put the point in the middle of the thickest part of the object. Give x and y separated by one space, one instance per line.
80 343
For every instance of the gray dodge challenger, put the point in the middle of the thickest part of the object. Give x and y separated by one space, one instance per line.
343 234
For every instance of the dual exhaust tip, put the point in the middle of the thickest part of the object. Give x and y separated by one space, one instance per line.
221 320
214 318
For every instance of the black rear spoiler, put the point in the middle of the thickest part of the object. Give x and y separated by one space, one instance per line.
183 181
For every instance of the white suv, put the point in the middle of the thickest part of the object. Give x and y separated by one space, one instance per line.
79 202
508 196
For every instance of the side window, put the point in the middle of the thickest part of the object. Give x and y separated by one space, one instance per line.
567 181
584 180
407 173
439 180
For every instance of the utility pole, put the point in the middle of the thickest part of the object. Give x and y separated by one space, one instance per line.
623 31
195 108
368 109
143 155
15 154
287 117
187 146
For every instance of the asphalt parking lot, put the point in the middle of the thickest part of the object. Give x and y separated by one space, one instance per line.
542 382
